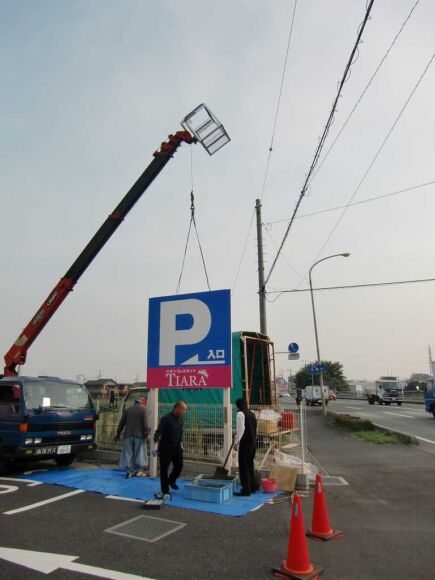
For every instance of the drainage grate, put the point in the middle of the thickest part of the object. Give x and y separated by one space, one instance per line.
334 480
146 528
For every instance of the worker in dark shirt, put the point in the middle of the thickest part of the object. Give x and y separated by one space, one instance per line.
133 422
168 444
245 442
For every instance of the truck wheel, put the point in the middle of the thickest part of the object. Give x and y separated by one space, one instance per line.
399 403
388 402
371 402
65 460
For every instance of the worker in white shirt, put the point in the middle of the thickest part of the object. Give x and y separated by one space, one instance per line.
245 442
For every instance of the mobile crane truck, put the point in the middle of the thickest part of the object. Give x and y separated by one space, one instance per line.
47 417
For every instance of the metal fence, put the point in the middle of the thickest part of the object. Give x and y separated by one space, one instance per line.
203 434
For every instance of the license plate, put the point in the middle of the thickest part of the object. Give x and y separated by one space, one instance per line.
63 449
46 451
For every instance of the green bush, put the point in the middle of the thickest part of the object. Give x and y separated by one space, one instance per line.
349 423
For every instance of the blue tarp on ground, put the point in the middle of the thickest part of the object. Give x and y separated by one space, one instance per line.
113 482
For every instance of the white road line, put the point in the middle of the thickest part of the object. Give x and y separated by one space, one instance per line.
44 502
399 415
404 433
29 482
352 407
123 498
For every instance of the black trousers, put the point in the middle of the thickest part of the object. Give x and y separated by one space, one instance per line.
246 467
167 456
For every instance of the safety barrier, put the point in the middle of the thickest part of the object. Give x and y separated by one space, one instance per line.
203 438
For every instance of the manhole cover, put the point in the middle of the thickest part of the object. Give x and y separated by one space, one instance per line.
146 528
334 480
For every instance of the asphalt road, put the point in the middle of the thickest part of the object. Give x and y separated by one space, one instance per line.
386 512
408 418
68 529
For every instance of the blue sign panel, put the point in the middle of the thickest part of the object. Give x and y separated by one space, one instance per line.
293 347
317 369
189 340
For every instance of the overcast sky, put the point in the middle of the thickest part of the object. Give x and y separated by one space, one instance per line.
91 88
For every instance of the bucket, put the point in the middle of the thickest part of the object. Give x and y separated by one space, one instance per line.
269 485
288 420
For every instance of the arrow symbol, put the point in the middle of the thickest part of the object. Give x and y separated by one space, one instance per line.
47 563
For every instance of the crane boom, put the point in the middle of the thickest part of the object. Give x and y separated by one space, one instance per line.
18 352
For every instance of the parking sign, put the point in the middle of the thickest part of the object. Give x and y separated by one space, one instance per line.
189 340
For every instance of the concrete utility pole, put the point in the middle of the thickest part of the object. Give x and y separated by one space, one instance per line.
261 284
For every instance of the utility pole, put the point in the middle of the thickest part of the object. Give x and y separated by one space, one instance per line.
261 284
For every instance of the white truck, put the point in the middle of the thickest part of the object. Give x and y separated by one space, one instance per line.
387 390
313 395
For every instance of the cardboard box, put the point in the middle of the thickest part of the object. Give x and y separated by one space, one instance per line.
266 426
285 477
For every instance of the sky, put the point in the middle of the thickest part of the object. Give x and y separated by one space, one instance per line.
91 88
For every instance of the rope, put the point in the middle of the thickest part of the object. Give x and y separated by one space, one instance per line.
192 221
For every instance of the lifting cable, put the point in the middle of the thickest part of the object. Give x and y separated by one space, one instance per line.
192 221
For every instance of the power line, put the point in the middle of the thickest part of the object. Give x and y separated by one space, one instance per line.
349 286
266 173
383 59
324 134
383 196
372 162
284 256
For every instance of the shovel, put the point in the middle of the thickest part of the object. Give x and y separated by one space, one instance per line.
221 471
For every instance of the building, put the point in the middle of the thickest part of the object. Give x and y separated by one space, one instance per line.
100 388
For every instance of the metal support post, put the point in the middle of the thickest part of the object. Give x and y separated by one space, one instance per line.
153 417
261 283
228 426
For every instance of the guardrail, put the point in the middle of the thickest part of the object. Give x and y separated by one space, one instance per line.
417 398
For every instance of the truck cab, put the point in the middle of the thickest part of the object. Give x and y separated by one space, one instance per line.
429 397
45 417
387 390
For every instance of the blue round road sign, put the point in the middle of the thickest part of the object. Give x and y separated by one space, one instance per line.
293 347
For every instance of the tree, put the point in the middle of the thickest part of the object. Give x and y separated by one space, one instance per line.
333 376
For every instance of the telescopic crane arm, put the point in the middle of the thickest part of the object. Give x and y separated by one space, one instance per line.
17 353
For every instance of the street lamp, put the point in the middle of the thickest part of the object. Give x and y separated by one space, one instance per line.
345 255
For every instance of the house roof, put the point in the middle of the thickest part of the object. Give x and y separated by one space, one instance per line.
100 382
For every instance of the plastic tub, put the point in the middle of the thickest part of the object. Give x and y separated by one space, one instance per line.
216 492
269 485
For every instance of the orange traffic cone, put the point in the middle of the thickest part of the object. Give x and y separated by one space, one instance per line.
320 527
298 563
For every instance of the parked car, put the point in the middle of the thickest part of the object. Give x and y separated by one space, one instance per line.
332 395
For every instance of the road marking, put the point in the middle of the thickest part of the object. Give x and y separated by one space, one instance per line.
399 415
123 498
352 407
30 482
8 488
47 563
44 502
404 433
